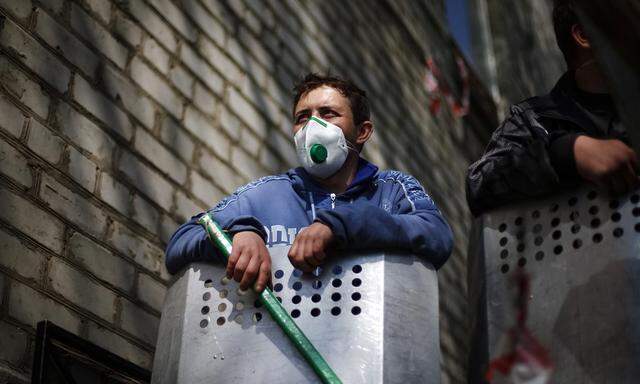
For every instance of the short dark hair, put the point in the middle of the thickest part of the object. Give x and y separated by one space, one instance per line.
357 96
565 17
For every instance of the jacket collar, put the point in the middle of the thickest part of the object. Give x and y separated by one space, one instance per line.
303 182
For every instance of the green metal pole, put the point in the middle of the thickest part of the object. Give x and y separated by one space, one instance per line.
279 314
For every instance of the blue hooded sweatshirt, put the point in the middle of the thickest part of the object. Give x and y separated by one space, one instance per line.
380 210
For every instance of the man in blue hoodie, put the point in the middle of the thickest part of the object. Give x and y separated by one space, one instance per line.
335 201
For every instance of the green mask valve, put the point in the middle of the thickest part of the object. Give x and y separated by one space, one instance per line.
318 153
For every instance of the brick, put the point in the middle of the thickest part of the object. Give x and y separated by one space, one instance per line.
127 29
199 126
85 26
182 80
210 26
20 258
115 343
204 100
34 56
176 18
21 87
248 113
139 322
55 6
71 205
221 173
247 165
11 118
230 123
80 290
173 134
185 207
150 291
66 43
201 69
284 146
15 343
167 227
143 252
84 132
30 306
156 55
220 61
15 165
153 24
204 190
101 8
119 87
156 87
114 193
2 287
166 161
270 161
147 180
22 9
43 142
145 214
82 169
101 262
29 219
106 111
250 142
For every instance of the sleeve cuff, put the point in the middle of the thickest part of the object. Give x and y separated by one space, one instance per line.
562 156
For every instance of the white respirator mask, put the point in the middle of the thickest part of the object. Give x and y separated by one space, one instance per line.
322 148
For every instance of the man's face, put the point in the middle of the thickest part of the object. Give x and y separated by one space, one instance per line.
328 104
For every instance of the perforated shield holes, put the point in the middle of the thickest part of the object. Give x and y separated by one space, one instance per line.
355 296
279 274
223 293
618 232
335 311
204 323
220 320
315 312
296 299
336 296
336 283
204 310
295 313
208 283
522 262
356 282
257 317
277 287
337 270
222 307
356 310
504 268
357 268
316 298
504 253
206 296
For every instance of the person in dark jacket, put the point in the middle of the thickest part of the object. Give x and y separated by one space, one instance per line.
548 142
336 200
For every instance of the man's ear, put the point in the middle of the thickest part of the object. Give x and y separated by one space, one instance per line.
364 132
580 37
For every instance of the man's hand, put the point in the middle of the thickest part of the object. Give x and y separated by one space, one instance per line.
249 260
610 164
308 249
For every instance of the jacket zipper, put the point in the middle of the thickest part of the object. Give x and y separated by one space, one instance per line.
333 201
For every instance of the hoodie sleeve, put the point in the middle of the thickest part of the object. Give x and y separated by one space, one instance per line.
413 223
190 243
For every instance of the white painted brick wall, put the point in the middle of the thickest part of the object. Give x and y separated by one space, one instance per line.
20 258
29 219
43 142
11 118
102 262
82 170
115 343
20 86
166 161
138 321
75 286
14 165
14 343
150 291
84 132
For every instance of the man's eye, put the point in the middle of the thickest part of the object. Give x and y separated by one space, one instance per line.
301 119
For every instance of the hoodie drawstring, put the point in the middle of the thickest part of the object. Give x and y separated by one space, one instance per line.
313 206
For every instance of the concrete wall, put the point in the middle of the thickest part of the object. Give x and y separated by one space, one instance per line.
121 119
515 48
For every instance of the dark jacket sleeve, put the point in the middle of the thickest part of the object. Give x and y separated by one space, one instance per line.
190 243
414 224
526 157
